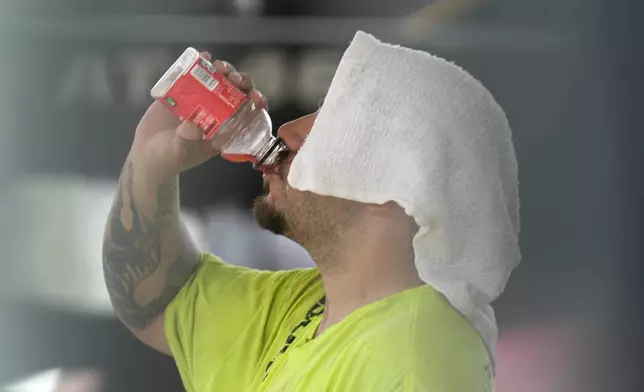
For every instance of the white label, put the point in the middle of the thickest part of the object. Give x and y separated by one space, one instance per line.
204 77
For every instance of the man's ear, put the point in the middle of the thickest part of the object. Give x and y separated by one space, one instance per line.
392 209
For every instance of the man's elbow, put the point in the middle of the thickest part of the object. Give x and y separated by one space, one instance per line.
153 335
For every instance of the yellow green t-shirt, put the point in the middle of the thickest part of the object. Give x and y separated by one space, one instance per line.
237 329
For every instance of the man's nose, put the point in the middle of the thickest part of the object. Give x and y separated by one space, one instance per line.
294 133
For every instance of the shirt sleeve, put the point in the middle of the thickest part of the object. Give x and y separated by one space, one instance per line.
222 321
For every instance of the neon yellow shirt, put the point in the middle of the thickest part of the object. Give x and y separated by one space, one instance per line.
228 323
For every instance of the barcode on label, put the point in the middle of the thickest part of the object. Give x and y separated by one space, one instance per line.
204 77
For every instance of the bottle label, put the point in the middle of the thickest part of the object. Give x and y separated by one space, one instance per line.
204 97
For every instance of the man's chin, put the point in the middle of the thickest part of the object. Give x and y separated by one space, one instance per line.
267 217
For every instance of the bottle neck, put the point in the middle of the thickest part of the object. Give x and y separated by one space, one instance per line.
271 154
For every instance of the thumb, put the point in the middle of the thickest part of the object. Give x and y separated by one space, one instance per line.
192 135
189 147
189 131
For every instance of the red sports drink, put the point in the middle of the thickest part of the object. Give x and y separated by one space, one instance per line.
194 91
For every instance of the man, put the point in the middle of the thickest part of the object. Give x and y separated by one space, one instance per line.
382 191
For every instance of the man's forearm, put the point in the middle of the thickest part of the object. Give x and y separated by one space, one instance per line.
147 252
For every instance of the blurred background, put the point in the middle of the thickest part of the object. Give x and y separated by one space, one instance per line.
76 75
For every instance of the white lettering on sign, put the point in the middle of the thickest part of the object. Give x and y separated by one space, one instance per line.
87 78
102 79
142 70
315 74
269 70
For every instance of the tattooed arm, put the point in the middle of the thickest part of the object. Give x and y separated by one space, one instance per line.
147 252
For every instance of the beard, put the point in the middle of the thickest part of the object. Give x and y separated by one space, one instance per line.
311 220
317 223
266 215
268 218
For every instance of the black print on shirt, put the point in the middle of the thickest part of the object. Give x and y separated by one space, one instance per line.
315 311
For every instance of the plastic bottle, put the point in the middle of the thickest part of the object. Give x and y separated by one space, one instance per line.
194 91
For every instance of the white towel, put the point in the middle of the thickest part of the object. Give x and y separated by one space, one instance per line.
402 125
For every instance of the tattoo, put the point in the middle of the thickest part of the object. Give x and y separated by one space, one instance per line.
147 253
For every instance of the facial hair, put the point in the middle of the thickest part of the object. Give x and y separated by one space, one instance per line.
268 218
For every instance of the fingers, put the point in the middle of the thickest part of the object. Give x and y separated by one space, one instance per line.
258 98
223 66
242 80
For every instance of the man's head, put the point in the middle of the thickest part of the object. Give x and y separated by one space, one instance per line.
314 221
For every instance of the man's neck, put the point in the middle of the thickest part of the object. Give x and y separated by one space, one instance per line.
362 272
